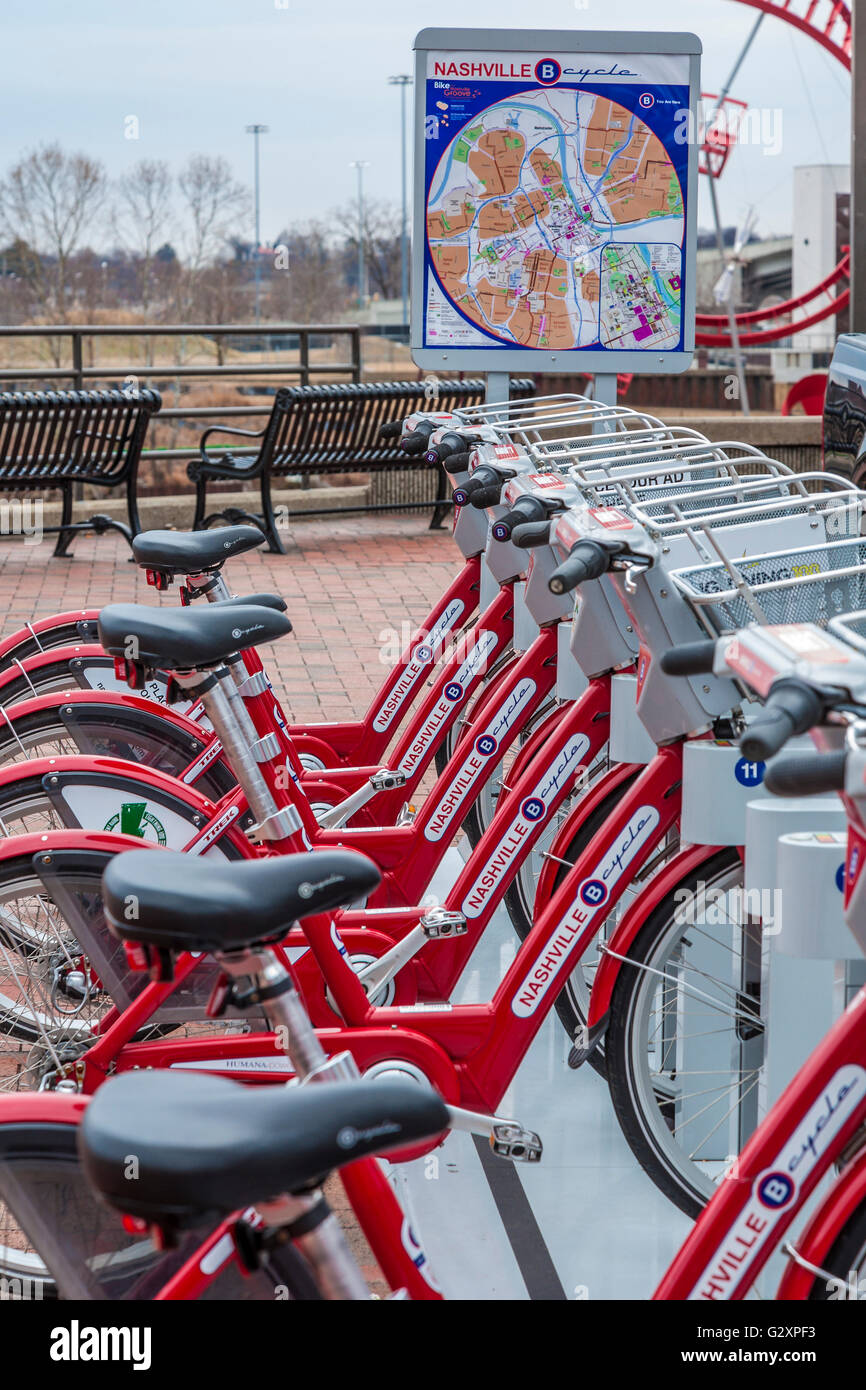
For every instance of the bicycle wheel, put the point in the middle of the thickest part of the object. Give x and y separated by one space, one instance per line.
53 992
61 635
845 1263
57 1240
53 676
684 1043
109 731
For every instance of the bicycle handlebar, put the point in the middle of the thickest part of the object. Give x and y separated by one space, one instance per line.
530 533
525 509
416 442
792 707
458 462
587 560
807 774
689 659
450 443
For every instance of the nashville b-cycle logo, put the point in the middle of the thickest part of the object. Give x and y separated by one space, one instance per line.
133 818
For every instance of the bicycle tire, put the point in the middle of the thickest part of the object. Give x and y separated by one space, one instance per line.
643 1124
41 1174
846 1256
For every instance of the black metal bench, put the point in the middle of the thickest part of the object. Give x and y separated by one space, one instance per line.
329 429
54 439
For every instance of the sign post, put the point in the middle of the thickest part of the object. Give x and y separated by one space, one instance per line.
555 202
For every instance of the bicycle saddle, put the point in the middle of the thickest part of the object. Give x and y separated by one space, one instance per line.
186 639
189 904
190 552
206 1147
255 601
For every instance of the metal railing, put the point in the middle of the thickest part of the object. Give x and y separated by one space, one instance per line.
77 376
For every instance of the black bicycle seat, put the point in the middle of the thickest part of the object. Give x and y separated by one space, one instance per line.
186 639
205 1147
184 903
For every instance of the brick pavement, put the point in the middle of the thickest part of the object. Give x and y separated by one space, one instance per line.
346 584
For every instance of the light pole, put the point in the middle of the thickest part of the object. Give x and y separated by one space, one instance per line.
256 131
403 81
360 165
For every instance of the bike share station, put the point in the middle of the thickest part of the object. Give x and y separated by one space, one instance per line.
585 1222
576 268
616 956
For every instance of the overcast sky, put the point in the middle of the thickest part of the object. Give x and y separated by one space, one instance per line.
195 72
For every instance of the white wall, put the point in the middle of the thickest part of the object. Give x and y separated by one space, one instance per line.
814 227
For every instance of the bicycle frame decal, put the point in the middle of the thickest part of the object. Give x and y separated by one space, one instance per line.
532 809
423 656
417 1254
592 895
105 807
776 1188
484 747
451 695
210 755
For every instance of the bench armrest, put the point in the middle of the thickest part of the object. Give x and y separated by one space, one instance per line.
225 429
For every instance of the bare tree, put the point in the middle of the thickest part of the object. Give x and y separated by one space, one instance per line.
381 234
49 199
213 200
306 281
141 215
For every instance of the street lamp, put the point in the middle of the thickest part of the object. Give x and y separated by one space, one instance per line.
403 81
360 165
256 131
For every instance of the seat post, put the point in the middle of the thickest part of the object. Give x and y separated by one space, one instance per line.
215 587
249 677
325 1244
287 1014
232 725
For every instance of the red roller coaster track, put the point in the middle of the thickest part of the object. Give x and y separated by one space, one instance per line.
828 22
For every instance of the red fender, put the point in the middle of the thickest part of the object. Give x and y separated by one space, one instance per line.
843 1199
43 1108
25 636
53 699
101 841
585 807
160 786
31 664
656 890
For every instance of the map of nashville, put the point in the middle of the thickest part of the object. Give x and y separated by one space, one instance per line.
555 220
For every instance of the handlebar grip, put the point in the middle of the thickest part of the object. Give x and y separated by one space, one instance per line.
487 496
588 560
791 707
807 774
392 429
689 659
414 443
458 462
526 509
530 534
450 443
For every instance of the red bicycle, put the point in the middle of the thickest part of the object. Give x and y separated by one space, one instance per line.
808 678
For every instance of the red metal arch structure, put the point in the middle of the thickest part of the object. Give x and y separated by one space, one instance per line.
828 22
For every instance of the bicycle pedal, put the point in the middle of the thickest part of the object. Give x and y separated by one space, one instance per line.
386 781
407 815
439 923
512 1141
